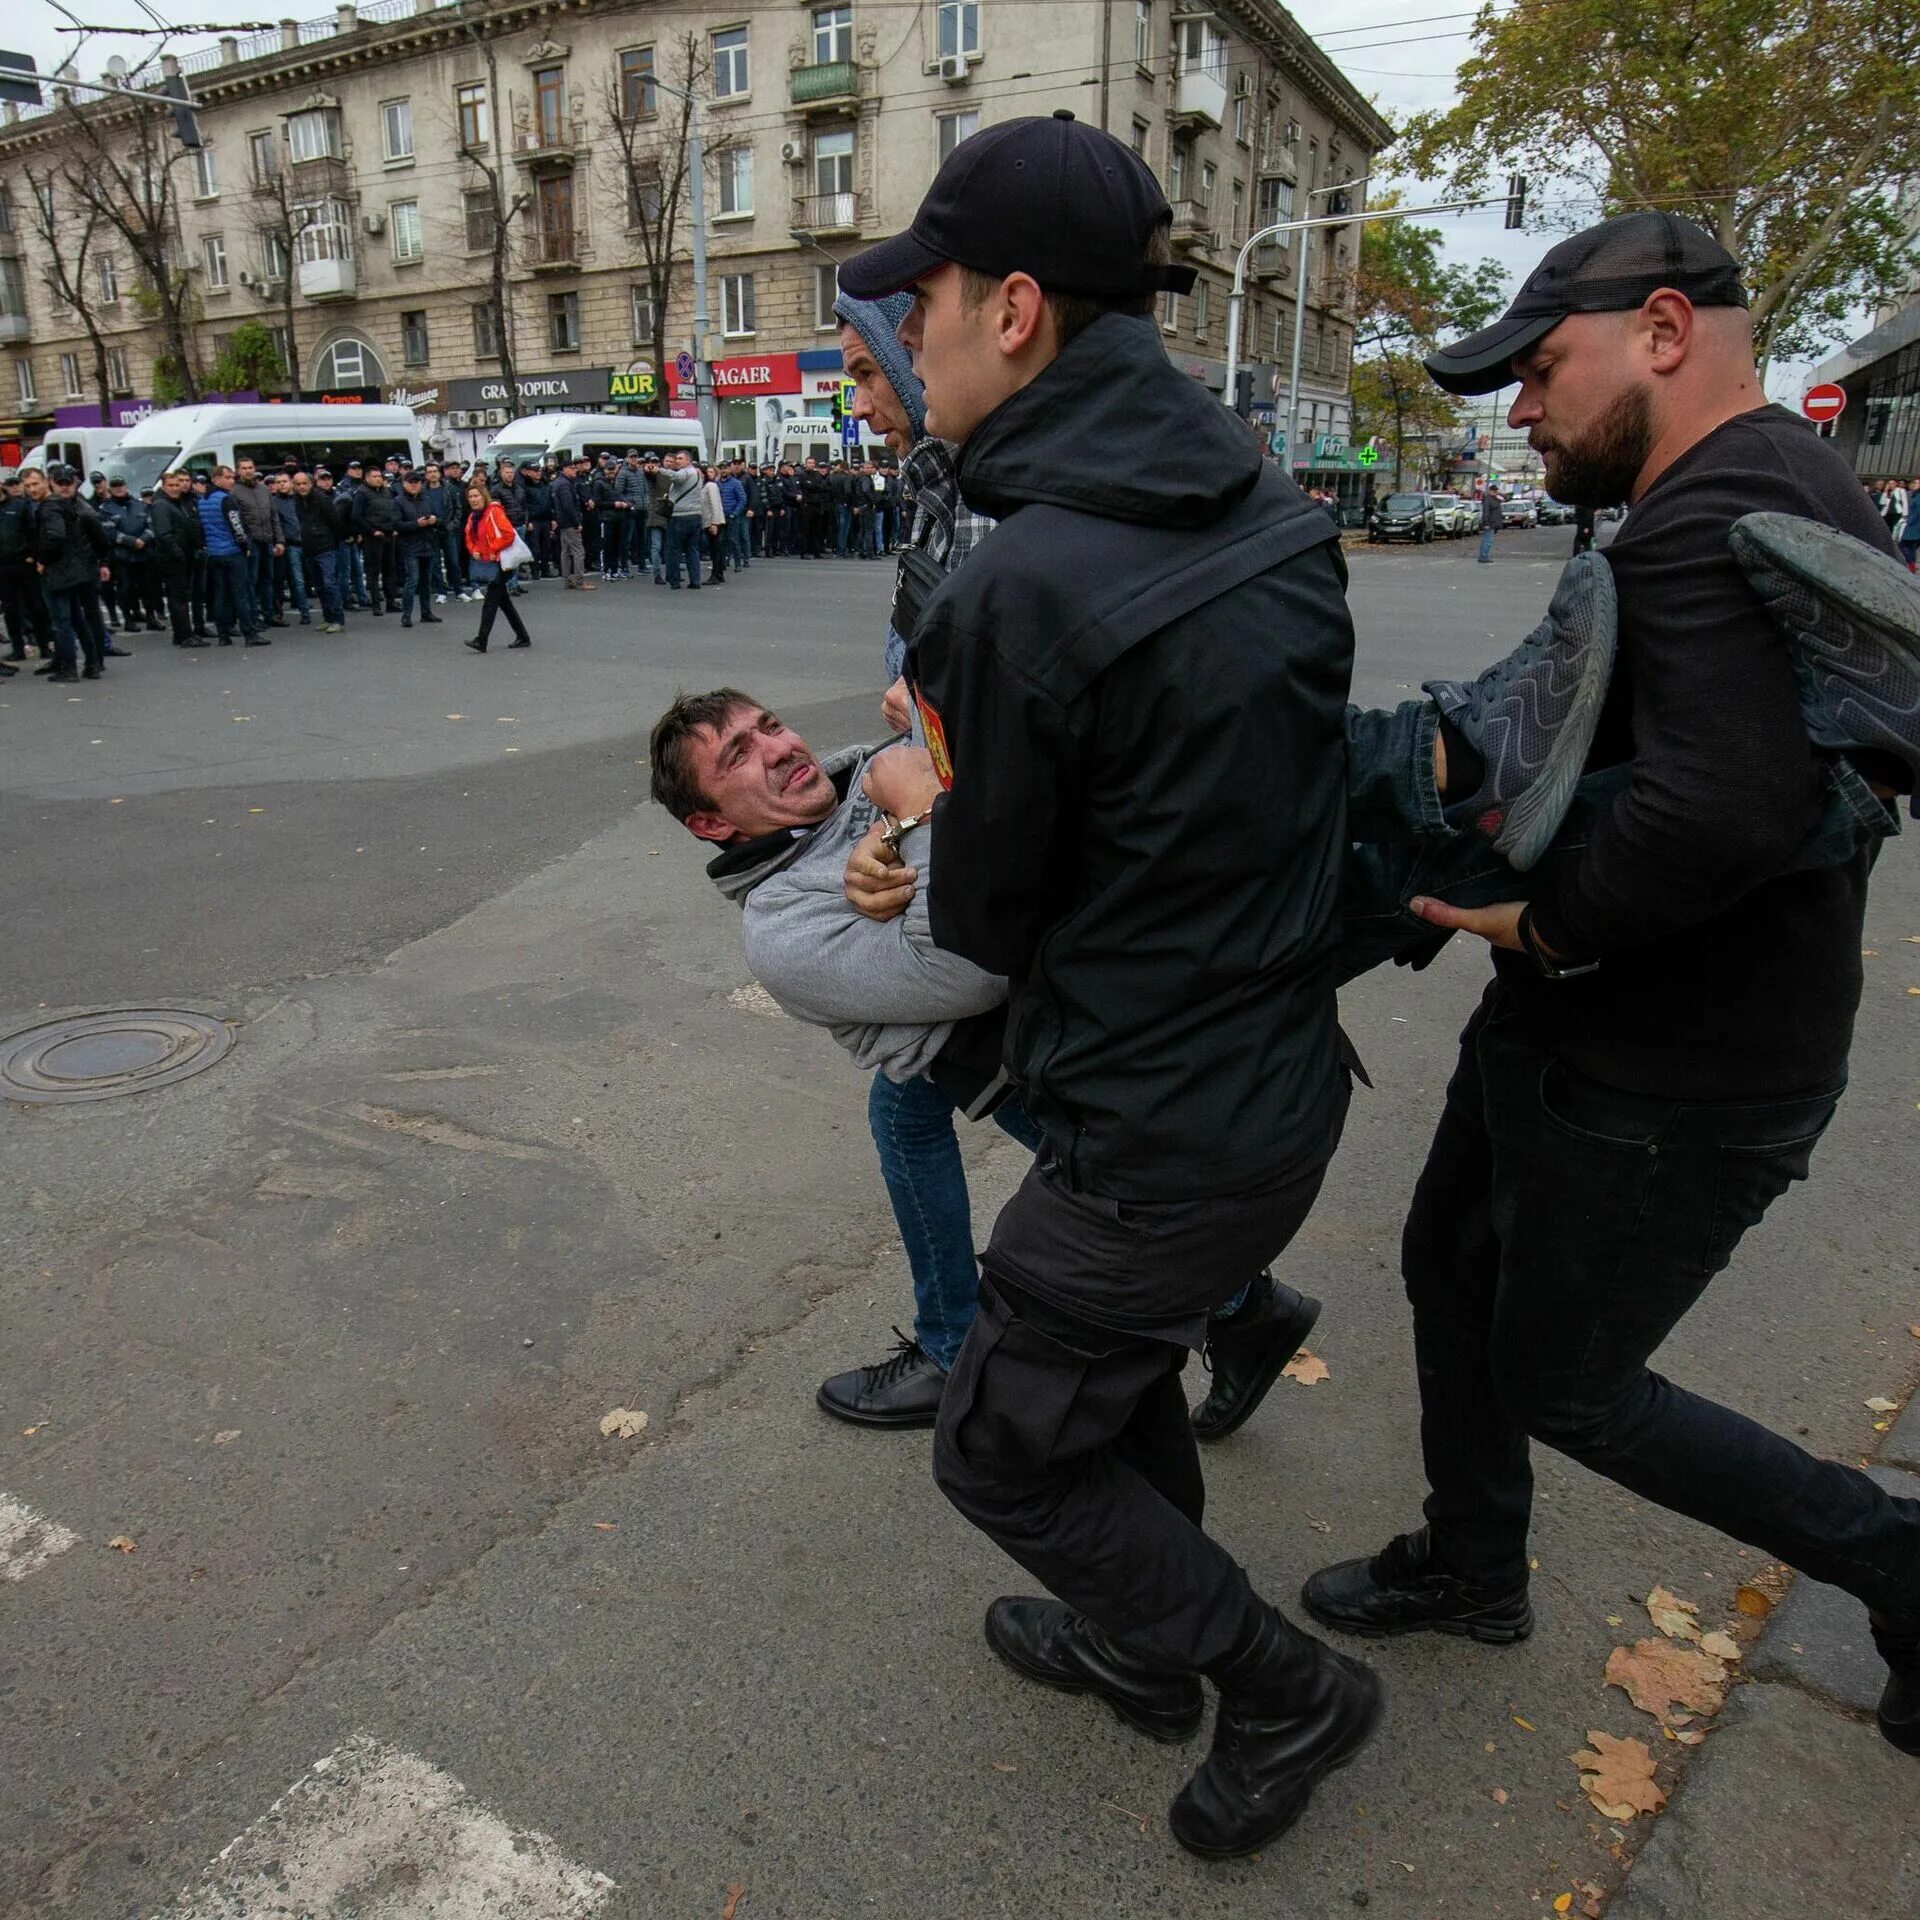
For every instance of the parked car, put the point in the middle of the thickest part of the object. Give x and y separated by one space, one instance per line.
1556 513
1403 516
1448 519
1520 512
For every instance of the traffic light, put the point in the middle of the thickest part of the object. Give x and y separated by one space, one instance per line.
186 129
839 408
1516 201
19 85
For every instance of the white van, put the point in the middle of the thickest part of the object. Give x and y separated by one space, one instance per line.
84 449
198 439
553 436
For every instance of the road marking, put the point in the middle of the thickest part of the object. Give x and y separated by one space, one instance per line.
374 1830
28 1540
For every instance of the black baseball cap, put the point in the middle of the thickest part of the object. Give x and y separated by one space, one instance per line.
1052 197
1609 268
413 478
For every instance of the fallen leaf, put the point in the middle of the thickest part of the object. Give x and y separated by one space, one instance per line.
1562 1902
29 1432
1498 1795
1617 1776
1613 1620
1319 1526
1752 1602
1722 1646
1656 1674
121 1544
1672 1615
1528 1724
733 1902
226 1437
1688 1739
1881 1404
1307 1368
606 1526
1915 1331
623 1423
1003 1766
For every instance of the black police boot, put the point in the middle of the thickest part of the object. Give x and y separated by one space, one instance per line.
1245 1354
1046 1641
1291 1712
1401 1590
1899 1715
902 1391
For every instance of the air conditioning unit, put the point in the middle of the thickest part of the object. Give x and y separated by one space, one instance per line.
794 153
375 224
496 416
953 68
247 279
457 418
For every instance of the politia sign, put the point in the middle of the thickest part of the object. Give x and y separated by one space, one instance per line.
1823 403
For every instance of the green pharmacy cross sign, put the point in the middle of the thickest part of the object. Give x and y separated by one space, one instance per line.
1368 456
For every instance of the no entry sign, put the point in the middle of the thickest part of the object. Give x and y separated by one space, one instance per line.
1823 403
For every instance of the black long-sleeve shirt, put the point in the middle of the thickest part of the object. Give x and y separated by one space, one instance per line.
1721 977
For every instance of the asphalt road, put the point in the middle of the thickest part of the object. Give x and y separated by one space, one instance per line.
328 1333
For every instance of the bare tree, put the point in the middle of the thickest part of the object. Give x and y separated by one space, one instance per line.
279 220
502 207
124 174
655 183
66 261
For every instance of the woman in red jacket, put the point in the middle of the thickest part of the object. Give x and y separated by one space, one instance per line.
488 535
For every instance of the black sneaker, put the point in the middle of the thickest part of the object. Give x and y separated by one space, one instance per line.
902 1391
1046 1641
1245 1354
117 653
1532 716
1400 1590
1851 618
1899 1714
259 639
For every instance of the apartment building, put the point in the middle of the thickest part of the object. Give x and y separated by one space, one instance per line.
358 168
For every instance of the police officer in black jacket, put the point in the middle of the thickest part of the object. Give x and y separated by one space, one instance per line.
178 541
1133 695
22 606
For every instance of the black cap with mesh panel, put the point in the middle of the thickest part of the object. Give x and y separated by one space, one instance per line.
1610 268
1050 197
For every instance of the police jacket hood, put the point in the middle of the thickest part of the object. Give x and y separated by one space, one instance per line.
1135 690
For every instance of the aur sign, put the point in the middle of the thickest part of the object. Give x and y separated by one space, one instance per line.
637 388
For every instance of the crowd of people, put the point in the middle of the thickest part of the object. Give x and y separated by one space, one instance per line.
221 556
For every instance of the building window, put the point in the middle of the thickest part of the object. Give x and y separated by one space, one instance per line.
1236 212
736 304
479 211
1203 49
1242 112
273 256
486 331
117 370
70 374
282 344
1199 309
13 290
826 290
263 157
550 105
470 110
1170 312
833 172
958 29
404 217
350 363
643 317
1209 173
323 230
206 175
644 199
736 182
832 35
6 209
413 338
1140 132
23 377
1274 203
554 212
109 281
639 97
1177 170
213 251
1142 33
949 129
314 135
396 128
563 322
43 192
730 64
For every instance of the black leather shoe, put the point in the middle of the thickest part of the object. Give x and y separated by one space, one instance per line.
193 643
1046 1641
1245 1354
1400 1590
902 1391
1291 1712
1899 1714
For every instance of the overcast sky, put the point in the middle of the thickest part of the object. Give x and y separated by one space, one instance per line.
1400 79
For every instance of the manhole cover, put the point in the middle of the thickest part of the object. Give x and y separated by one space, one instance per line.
95 1056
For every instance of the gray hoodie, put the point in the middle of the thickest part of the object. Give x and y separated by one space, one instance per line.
884 991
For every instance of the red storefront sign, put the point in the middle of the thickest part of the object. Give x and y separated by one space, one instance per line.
757 373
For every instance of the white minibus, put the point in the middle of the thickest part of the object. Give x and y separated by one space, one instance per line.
552 436
201 438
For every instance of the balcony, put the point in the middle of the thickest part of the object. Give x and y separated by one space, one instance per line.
550 142
326 269
1273 260
1281 163
9 245
14 329
325 177
831 87
1192 224
829 213
1199 98
553 249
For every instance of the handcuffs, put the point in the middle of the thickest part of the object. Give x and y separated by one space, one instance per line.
895 830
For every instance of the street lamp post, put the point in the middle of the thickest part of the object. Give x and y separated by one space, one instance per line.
1236 300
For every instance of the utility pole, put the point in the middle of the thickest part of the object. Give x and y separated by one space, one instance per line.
703 393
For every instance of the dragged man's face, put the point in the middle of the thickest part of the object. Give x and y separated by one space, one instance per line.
759 776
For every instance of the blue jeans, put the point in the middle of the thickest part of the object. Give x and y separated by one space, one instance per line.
683 543
739 541
291 568
913 1132
842 521
356 571
1486 545
230 592
326 578
656 551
